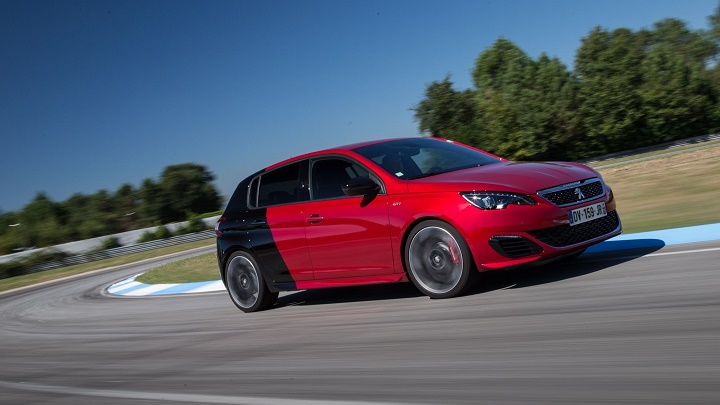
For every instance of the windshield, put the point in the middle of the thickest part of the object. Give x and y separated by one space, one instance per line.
415 158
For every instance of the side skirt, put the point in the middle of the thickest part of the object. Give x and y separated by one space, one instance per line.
340 282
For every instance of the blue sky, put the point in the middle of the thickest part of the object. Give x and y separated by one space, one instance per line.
94 94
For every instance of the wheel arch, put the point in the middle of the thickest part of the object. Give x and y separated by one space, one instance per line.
228 253
408 230
465 281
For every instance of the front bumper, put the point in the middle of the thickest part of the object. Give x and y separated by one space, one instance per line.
526 234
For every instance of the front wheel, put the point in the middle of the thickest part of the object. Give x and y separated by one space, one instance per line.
438 260
245 283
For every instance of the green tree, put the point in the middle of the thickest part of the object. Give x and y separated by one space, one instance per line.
102 219
502 76
76 214
187 188
151 202
677 98
10 232
40 222
557 121
526 108
629 89
504 68
712 71
714 19
692 46
126 201
182 190
611 108
444 110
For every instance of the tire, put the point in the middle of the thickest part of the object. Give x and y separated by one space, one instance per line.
438 260
246 285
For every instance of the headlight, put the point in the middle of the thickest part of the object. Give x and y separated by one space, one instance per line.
488 200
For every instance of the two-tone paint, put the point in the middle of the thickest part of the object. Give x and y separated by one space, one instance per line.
362 239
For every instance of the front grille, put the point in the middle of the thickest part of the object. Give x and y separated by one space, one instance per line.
566 235
569 194
514 246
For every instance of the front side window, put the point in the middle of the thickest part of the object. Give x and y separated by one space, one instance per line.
279 186
329 175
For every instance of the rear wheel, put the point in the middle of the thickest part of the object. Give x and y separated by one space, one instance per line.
438 260
245 283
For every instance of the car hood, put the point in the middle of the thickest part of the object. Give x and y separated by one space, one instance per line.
520 177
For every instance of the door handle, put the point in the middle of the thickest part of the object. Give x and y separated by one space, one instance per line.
314 219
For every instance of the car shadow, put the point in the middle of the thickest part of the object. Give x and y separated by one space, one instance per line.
364 293
598 258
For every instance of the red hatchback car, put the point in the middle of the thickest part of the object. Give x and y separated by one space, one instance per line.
425 209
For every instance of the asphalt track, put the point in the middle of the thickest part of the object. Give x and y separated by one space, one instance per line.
630 326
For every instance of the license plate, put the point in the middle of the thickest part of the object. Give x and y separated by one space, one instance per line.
585 214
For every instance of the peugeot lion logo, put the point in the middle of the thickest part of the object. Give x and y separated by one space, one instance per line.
579 194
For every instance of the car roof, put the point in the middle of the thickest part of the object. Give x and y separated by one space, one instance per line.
339 150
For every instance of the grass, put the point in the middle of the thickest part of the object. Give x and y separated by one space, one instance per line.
667 192
662 193
193 269
35 278
678 149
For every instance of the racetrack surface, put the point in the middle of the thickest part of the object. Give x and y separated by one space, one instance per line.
611 327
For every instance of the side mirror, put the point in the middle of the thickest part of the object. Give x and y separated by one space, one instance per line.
362 185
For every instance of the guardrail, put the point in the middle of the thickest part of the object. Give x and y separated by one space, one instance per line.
661 146
119 251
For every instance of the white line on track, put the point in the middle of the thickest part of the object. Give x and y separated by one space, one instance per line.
192 398
682 252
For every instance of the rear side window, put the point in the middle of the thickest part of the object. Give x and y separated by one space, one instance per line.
280 186
253 193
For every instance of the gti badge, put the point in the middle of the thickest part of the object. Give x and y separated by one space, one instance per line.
579 194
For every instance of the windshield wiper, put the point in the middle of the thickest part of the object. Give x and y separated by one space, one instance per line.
454 169
420 176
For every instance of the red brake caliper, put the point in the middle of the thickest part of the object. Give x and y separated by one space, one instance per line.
453 253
